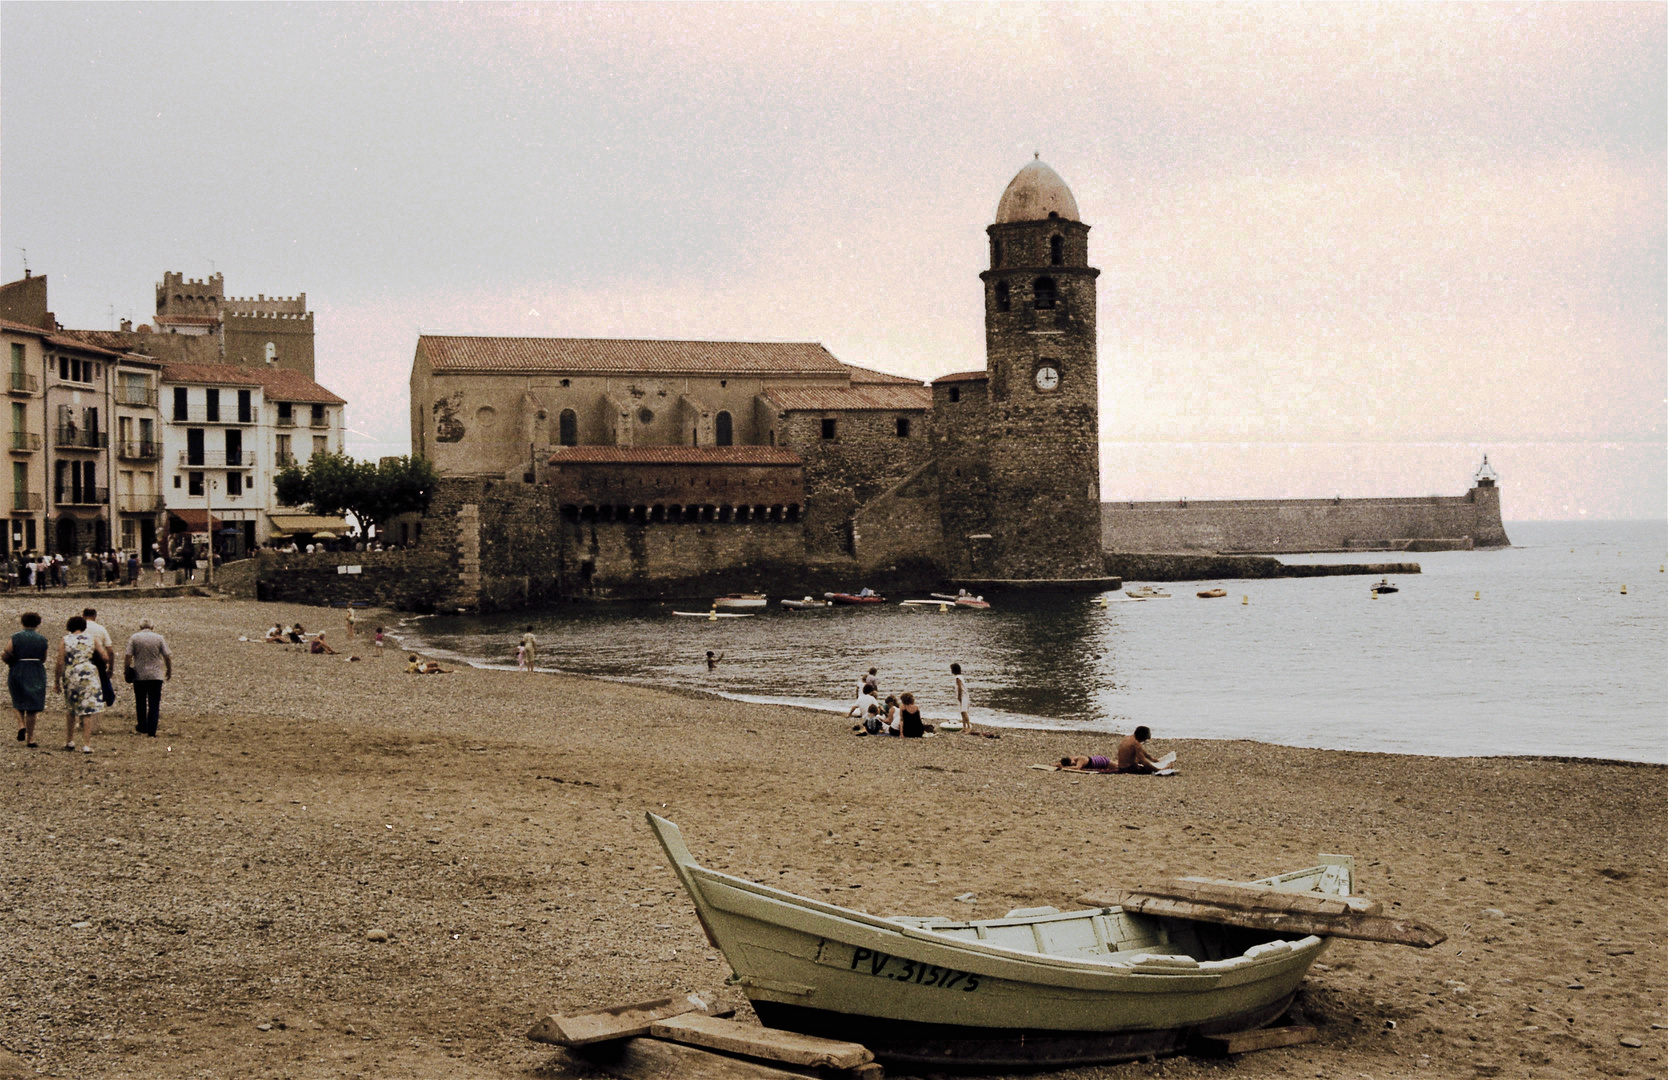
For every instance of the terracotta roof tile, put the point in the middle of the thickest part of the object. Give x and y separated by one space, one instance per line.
962 376
625 355
280 384
865 376
673 455
867 396
189 320
22 328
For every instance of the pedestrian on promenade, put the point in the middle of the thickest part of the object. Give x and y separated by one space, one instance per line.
147 664
25 654
963 706
529 643
133 569
161 566
76 677
101 637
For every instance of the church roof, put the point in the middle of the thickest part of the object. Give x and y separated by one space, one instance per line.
626 356
870 396
962 376
867 375
673 455
1035 193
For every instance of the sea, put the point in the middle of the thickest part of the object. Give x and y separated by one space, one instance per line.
1557 646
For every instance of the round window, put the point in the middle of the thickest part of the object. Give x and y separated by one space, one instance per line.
645 416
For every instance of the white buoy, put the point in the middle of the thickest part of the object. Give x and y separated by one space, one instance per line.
712 616
1244 600
942 608
1478 595
1624 590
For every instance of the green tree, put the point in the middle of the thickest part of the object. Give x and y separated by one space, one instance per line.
374 493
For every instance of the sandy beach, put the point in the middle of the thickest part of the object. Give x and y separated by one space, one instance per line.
196 905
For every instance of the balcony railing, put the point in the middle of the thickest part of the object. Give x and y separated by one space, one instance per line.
138 451
139 504
286 421
284 457
320 421
25 441
74 438
200 415
135 398
242 459
86 496
24 383
26 500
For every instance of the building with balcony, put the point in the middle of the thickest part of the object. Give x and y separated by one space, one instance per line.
226 431
21 505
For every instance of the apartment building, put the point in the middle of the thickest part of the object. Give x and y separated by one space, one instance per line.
227 429
25 348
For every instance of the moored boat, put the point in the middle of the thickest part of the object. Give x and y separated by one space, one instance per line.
807 604
1147 592
865 596
714 614
978 603
1384 586
1037 988
741 600
1210 594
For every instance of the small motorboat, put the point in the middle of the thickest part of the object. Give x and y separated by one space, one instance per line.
864 596
1147 592
1211 594
962 598
942 605
741 600
807 604
713 614
1384 586
1038 988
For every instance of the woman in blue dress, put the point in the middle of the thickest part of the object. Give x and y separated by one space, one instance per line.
77 679
25 654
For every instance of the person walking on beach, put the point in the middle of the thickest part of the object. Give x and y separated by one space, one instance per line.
25 654
352 620
101 637
76 677
378 643
962 704
531 644
148 664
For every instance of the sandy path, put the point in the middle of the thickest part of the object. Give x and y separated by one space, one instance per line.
491 823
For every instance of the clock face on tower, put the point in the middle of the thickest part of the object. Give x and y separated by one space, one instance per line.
1048 378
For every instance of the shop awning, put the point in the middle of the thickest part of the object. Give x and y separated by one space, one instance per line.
307 524
190 520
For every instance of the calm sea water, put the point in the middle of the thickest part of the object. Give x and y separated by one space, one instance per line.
1531 650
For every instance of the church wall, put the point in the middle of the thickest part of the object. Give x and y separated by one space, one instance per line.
864 459
961 430
903 527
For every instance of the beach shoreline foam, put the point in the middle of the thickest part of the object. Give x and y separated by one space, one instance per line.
490 822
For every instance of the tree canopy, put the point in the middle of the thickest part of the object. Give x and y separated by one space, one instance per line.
373 492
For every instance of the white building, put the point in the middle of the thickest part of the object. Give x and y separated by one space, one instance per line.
226 431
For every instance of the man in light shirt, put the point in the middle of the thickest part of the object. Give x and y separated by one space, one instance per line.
147 656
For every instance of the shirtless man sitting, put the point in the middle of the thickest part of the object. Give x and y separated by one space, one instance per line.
1132 752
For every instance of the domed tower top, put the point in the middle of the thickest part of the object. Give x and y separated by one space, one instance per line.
1036 193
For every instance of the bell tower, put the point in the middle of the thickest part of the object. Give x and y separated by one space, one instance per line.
1042 443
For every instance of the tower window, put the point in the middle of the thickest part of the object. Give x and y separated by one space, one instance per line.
903 427
995 253
1044 293
955 393
567 428
725 429
1056 251
829 427
1002 296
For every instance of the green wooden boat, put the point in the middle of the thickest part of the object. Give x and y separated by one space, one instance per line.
1039 988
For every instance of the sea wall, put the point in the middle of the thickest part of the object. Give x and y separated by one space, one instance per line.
1290 526
1132 567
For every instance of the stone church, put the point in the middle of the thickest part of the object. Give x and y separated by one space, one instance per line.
662 461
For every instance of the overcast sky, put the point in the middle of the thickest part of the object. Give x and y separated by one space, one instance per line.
1345 249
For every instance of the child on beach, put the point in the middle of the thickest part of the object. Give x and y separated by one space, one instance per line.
378 643
521 657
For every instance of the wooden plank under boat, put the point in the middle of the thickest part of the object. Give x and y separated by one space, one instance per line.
1038 988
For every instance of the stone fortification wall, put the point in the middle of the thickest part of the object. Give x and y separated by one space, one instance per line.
623 559
865 457
411 580
902 529
1231 567
247 334
1290 526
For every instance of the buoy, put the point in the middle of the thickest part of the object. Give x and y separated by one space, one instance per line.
1624 590
1478 595
1375 594
942 608
1244 600
712 616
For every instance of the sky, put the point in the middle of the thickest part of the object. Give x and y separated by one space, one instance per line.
1346 249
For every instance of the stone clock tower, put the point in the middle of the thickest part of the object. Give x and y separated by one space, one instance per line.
1041 441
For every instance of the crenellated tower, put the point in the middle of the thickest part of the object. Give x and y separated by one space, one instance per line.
1041 474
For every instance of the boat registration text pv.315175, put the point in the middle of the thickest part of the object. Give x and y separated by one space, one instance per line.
898 969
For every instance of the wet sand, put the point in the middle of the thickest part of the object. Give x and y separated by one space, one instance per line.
491 823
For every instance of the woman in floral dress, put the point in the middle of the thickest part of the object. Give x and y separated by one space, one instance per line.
76 677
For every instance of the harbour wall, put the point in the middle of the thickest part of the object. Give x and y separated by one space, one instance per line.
1293 526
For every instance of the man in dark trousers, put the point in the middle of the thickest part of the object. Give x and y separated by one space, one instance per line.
151 664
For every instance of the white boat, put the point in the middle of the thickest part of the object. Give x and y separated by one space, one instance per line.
715 614
741 600
1037 988
807 604
1147 592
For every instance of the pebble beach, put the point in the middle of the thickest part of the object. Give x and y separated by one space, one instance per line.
328 868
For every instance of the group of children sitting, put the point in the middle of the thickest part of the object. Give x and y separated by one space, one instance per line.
897 716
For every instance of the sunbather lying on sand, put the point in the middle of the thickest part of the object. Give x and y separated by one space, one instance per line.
1132 758
424 667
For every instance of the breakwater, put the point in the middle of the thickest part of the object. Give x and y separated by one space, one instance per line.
1133 567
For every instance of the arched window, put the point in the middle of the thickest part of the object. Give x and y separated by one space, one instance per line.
1001 296
995 253
1056 251
568 428
725 430
1043 290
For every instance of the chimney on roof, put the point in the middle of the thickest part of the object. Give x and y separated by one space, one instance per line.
127 326
27 273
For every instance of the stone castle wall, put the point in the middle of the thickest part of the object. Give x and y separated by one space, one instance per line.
1291 526
864 459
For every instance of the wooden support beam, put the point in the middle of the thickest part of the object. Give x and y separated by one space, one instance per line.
1243 1042
617 1021
1261 897
1384 928
769 1044
654 1059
